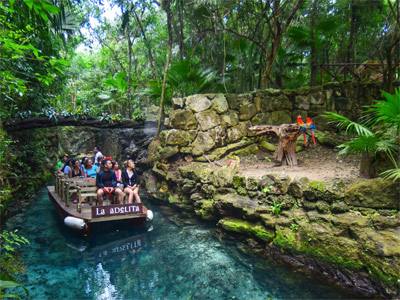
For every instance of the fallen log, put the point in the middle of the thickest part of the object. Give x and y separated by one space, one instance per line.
287 134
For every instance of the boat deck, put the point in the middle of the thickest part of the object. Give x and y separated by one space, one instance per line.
86 210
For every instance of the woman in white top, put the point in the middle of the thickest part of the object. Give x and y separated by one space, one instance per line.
130 181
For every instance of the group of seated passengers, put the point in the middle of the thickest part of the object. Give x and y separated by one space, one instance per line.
110 179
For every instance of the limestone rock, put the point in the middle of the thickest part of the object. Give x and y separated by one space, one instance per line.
243 227
373 193
276 103
327 139
219 135
230 119
178 103
278 117
182 119
237 132
302 102
203 143
220 152
205 209
199 172
198 103
152 150
208 119
247 111
234 204
233 101
297 187
176 137
219 104
384 243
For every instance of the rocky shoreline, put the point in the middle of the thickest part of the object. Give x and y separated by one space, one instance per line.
348 234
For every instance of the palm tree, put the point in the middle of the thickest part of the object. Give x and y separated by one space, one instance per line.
377 134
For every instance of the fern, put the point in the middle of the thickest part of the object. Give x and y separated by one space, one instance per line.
391 174
350 126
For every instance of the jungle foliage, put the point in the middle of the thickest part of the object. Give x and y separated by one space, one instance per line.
376 137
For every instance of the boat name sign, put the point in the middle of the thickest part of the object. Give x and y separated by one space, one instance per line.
116 210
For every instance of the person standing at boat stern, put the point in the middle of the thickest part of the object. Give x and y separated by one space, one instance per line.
131 182
106 182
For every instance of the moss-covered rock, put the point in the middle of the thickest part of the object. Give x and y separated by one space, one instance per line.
237 132
246 151
182 119
278 117
219 104
222 151
327 139
198 103
230 118
265 145
205 209
374 193
247 111
246 228
276 103
208 119
176 137
204 142
297 187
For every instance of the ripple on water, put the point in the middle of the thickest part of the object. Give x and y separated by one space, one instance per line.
170 262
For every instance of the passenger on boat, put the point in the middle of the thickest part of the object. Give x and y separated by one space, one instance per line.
61 162
83 163
131 182
67 166
118 174
90 169
106 181
76 170
98 156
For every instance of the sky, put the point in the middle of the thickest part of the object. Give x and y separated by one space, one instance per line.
110 13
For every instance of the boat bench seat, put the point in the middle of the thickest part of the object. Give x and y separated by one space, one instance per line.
85 192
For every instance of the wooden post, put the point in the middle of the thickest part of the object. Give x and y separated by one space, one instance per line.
287 134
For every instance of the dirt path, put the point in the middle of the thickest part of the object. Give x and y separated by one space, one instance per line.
314 163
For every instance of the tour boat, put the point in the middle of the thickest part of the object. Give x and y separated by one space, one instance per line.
84 215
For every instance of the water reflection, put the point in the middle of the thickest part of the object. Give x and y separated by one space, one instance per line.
183 261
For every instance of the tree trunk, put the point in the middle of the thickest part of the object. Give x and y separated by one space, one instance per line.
352 37
129 90
287 134
147 43
313 53
181 25
167 8
367 168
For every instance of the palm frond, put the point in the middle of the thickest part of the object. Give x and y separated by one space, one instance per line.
345 123
392 174
387 111
360 144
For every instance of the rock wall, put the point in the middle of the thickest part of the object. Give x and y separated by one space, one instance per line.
210 125
120 143
347 233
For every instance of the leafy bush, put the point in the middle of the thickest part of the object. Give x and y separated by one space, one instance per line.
276 208
377 134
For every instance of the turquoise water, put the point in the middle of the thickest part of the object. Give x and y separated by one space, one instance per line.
173 261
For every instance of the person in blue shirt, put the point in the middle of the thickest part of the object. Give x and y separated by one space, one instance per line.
67 166
91 170
106 182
